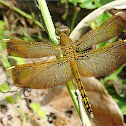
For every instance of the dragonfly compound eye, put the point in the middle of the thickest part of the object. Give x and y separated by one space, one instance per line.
62 30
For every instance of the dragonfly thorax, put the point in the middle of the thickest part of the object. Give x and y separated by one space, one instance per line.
70 52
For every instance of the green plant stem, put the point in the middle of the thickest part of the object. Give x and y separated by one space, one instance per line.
77 9
72 91
84 117
3 58
48 21
70 85
66 10
22 13
22 111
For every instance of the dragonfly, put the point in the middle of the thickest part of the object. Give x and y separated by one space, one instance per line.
78 58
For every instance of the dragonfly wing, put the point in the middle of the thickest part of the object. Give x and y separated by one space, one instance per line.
41 75
26 49
109 29
102 61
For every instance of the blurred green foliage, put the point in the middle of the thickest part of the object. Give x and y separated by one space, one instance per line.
10 99
4 87
89 4
37 110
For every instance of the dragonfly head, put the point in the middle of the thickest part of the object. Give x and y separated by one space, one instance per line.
62 30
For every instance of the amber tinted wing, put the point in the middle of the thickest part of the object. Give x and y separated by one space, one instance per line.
41 75
109 29
102 61
26 49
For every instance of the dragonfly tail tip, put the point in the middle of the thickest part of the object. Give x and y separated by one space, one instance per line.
91 115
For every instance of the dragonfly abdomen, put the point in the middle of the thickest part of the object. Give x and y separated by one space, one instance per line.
81 87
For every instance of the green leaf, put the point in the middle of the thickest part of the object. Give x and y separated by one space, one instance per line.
2 45
88 4
103 2
5 61
99 20
123 109
42 114
121 101
102 45
35 107
3 57
10 99
4 87
102 18
19 60
74 2
124 82
114 76
2 25
63 1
